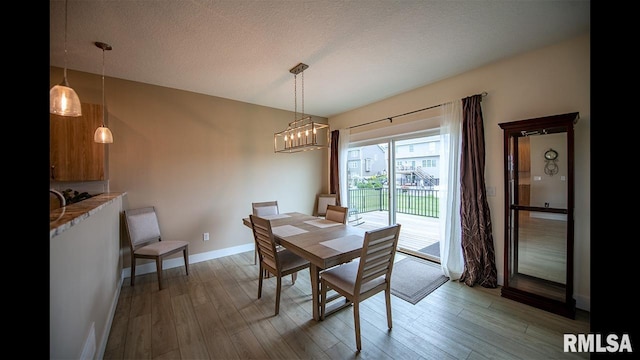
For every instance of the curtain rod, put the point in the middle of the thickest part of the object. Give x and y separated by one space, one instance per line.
390 118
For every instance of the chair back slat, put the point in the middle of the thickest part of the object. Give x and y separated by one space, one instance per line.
378 252
264 239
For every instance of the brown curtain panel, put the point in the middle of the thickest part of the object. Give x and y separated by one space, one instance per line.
477 238
334 173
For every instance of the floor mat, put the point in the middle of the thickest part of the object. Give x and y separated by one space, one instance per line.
413 279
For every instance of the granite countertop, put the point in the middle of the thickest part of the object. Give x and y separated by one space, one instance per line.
64 218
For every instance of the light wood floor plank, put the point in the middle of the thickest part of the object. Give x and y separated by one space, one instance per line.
218 342
138 344
229 315
163 326
192 345
214 313
248 346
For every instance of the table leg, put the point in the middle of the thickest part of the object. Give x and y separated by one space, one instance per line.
315 290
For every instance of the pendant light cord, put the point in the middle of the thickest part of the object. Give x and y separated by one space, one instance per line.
104 109
295 97
65 41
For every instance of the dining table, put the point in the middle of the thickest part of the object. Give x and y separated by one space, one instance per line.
323 242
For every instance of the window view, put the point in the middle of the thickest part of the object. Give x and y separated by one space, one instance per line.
406 194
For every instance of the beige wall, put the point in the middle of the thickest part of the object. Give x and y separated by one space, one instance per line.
552 80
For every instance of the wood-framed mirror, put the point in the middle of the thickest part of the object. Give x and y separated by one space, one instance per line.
539 198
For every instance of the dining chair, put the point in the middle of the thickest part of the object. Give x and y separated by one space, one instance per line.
265 208
365 277
146 241
279 263
337 213
322 201
261 209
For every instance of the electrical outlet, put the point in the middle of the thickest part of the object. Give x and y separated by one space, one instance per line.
205 237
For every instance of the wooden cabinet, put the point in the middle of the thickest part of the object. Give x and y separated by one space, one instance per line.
538 249
524 156
523 194
73 155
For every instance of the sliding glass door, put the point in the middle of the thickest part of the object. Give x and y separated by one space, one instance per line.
396 181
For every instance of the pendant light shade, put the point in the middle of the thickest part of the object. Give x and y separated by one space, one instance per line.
63 100
103 134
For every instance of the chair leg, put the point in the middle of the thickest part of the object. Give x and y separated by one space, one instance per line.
387 294
133 270
356 322
159 270
260 277
255 257
293 278
278 289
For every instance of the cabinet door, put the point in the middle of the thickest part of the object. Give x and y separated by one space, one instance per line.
538 248
73 155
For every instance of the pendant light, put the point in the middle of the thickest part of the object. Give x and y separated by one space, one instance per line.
63 100
103 134
303 133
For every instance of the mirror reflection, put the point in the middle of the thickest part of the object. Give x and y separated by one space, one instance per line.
542 171
539 241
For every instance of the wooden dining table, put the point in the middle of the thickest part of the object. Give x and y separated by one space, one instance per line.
324 243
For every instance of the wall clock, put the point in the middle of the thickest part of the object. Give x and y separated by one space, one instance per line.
550 166
550 154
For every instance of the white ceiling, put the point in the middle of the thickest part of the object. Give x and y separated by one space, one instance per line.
358 51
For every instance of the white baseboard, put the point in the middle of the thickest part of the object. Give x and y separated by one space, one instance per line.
548 216
583 302
102 346
196 258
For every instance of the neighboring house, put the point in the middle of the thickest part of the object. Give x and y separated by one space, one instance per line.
416 162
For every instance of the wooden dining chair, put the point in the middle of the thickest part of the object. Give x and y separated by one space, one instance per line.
371 274
265 208
146 241
260 209
337 213
279 263
322 201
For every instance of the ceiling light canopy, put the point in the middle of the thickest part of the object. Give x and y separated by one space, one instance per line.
63 100
103 134
303 133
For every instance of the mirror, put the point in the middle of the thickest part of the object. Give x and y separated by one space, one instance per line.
539 212
542 183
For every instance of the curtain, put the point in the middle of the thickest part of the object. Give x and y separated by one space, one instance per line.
338 165
343 153
334 166
477 238
451 250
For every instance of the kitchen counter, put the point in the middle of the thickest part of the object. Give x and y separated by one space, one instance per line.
63 218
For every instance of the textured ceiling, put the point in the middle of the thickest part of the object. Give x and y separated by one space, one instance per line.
358 51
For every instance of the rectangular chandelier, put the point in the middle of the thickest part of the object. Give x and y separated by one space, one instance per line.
302 135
